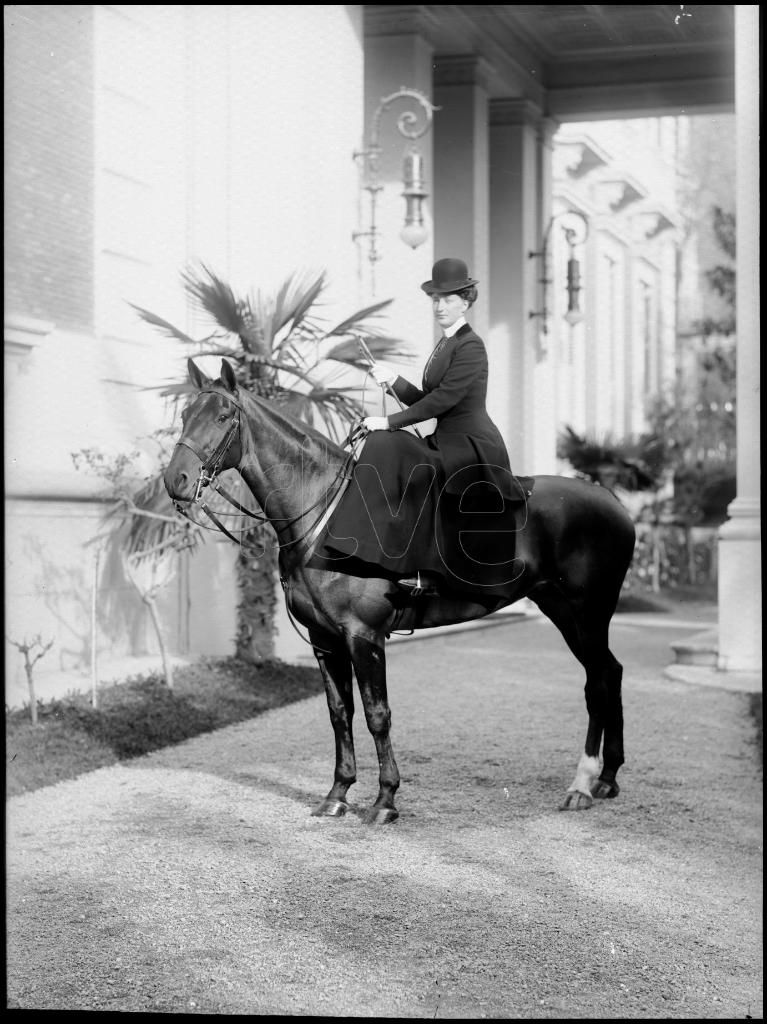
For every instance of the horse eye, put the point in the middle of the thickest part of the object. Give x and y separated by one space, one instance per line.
223 417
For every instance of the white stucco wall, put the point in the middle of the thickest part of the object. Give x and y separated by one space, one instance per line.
223 136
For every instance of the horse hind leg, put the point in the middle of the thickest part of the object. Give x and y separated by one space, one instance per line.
608 677
336 668
604 705
587 637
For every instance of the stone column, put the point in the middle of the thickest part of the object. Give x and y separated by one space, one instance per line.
522 387
740 598
462 207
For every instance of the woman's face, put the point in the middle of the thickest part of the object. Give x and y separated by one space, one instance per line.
447 308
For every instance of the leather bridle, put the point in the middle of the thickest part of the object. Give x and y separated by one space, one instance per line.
210 467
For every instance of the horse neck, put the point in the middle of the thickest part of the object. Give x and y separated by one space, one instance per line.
287 465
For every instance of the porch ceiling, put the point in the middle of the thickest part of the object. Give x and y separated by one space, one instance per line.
584 62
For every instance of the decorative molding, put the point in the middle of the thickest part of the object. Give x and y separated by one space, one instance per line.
463 69
565 197
653 98
547 130
21 334
455 29
395 20
578 156
516 112
619 193
62 497
119 254
653 223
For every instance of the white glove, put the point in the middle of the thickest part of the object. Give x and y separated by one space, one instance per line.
376 423
383 373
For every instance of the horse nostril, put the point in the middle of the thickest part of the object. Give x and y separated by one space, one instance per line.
176 482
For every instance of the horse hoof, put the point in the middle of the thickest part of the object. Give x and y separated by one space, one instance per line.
576 801
603 790
331 809
380 816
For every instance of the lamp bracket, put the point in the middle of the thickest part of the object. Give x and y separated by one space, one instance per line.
573 236
411 126
407 122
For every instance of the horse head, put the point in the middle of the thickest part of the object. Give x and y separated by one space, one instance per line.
210 438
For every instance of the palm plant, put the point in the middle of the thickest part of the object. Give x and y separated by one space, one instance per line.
631 463
282 349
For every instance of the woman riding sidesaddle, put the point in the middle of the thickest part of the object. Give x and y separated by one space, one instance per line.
433 514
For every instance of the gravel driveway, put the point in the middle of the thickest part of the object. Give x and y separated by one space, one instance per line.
194 880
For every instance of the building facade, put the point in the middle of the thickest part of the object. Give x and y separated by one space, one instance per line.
613 359
145 139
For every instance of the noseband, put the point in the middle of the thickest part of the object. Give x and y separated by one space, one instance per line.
210 466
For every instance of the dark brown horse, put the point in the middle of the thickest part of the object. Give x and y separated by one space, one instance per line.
574 546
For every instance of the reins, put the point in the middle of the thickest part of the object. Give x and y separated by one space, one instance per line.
210 467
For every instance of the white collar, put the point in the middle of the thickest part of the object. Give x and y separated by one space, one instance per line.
454 328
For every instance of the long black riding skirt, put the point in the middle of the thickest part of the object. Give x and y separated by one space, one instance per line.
398 517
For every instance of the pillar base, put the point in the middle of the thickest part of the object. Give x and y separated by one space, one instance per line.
740 589
703 675
702 649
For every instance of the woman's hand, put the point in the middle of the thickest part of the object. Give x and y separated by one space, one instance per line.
383 373
376 423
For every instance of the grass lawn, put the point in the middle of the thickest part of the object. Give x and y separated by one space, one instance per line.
141 714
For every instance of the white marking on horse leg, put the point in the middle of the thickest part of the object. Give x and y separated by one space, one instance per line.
586 772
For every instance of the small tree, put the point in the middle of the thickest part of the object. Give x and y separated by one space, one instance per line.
141 527
26 647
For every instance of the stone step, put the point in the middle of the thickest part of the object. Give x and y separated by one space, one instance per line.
700 649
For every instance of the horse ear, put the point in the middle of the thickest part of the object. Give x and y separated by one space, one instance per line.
196 376
227 376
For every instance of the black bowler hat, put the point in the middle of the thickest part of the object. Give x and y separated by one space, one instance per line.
448 276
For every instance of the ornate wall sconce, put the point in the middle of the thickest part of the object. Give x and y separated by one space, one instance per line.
576 232
414 231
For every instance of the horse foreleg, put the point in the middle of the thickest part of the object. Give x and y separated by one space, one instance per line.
336 668
369 663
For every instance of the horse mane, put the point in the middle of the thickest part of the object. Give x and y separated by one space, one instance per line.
296 430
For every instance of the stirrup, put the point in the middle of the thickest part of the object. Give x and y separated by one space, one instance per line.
417 587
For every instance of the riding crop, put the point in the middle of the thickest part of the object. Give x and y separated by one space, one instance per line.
368 356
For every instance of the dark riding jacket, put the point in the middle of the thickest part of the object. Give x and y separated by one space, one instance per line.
454 392
423 504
